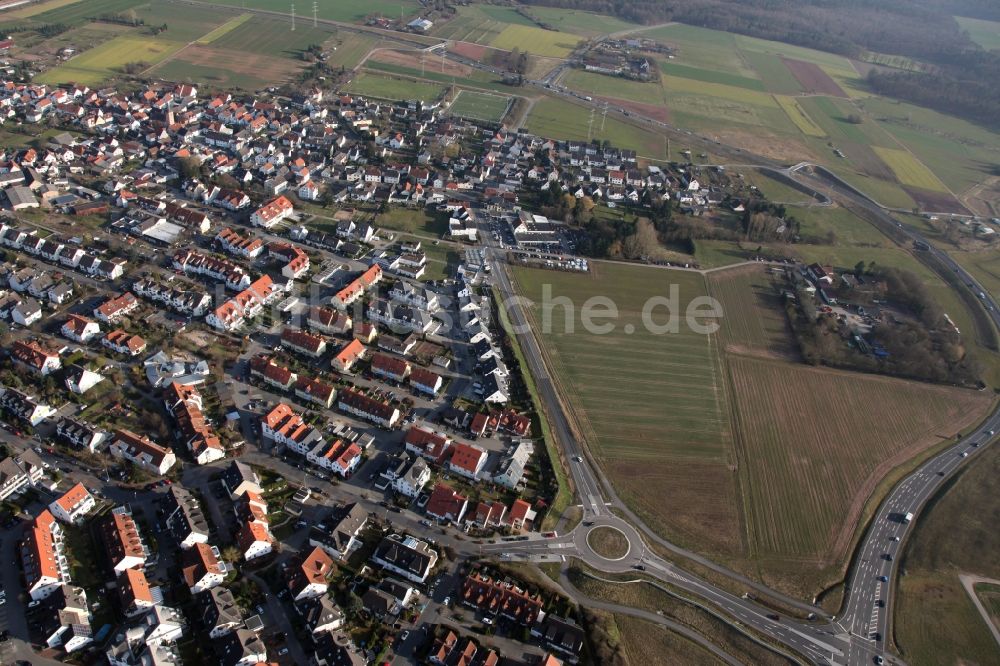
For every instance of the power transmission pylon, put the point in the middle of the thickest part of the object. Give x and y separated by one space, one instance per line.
314 13
293 17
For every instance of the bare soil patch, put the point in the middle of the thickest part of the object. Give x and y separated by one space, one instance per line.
608 542
766 144
411 59
469 50
258 65
813 79
654 111
936 202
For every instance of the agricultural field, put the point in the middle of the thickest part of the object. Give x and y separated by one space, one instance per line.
225 28
644 398
804 506
585 24
27 11
711 76
78 12
537 41
560 119
754 321
220 69
717 83
798 116
788 509
984 33
936 621
350 49
273 37
347 11
394 88
614 87
909 170
102 62
479 106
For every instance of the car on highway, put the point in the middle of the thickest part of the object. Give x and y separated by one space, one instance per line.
879 659
578 458
884 579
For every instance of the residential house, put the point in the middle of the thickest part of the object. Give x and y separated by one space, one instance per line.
73 505
184 518
405 556
80 329
32 355
446 505
122 542
307 578
379 412
202 567
142 452
338 535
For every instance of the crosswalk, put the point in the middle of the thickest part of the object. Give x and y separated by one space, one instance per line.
873 621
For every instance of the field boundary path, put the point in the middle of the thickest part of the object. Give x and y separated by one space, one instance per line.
969 583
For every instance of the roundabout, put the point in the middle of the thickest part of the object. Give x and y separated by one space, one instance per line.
609 543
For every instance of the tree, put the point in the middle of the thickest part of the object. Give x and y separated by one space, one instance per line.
189 168
231 554
643 243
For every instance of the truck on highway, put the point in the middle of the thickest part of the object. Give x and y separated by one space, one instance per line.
908 517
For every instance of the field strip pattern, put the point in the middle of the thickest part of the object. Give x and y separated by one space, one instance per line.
815 439
909 170
225 28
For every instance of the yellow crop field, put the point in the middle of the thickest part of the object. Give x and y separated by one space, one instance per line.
909 170
536 41
677 84
226 27
102 62
798 116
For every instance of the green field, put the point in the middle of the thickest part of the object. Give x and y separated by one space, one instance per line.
393 88
711 76
536 41
984 33
936 621
560 119
420 221
273 37
226 27
614 86
795 113
348 11
585 24
479 106
909 170
78 12
104 61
